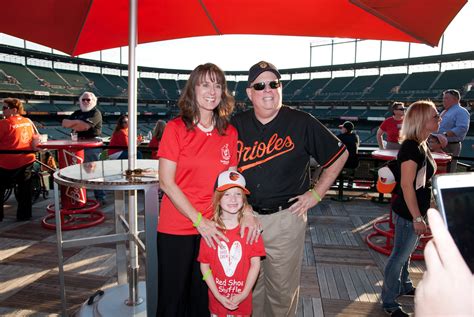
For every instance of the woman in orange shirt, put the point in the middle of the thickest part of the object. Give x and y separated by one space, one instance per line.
17 133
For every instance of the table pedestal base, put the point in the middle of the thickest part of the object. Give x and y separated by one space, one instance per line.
386 248
72 219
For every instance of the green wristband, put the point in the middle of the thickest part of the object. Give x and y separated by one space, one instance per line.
315 194
206 274
198 220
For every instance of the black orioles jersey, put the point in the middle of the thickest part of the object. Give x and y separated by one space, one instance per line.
274 157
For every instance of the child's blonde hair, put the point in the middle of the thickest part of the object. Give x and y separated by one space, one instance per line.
216 203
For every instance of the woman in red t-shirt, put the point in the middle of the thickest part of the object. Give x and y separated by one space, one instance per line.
17 133
391 126
196 147
120 138
156 138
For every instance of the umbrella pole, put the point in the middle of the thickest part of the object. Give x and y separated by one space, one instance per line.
133 298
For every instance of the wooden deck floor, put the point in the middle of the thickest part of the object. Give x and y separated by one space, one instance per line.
341 276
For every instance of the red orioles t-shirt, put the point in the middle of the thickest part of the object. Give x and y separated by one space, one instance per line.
230 265
16 133
200 157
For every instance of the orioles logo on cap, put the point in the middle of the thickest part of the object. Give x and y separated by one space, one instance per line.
234 176
229 179
263 64
386 181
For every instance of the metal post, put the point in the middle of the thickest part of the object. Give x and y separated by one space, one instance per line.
132 151
355 56
59 240
408 63
332 55
441 53
380 55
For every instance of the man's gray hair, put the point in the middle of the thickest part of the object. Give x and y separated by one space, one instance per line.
91 94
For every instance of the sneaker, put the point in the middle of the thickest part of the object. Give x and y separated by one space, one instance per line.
398 313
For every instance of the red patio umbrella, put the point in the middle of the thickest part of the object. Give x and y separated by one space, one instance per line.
80 26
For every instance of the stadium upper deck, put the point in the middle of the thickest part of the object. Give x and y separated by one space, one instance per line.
50 93
56 83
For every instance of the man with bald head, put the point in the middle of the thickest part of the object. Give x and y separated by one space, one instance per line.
274 148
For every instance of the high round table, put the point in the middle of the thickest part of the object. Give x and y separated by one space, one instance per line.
77 211
380 226
114 175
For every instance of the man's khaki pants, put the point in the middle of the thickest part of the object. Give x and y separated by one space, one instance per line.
277 289
453 149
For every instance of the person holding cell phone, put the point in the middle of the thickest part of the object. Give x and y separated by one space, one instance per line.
412 201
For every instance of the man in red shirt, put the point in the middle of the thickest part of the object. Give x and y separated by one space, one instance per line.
17 133
391 126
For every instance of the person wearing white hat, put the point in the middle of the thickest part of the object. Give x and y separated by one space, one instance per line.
235 262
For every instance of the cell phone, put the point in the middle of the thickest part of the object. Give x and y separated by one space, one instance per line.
454 195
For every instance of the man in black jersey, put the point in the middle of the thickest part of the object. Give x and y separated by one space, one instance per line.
274 148
87 123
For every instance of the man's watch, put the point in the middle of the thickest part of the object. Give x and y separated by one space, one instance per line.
419 219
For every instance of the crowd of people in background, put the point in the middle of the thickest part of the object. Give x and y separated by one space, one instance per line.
237 187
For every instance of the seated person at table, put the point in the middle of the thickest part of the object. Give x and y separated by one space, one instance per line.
156 138
87 122
120 138
17 133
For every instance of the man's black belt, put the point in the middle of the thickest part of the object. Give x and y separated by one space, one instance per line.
268 211
454 142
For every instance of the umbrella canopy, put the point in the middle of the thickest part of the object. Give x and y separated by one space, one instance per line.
81 26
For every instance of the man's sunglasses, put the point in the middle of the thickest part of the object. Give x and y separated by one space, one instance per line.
86 99
261 86
401 109
5 107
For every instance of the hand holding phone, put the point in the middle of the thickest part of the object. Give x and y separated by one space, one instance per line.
447 285
454 195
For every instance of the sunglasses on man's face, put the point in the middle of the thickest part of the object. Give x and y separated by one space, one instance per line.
261 86
86 99
401 109
5 107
